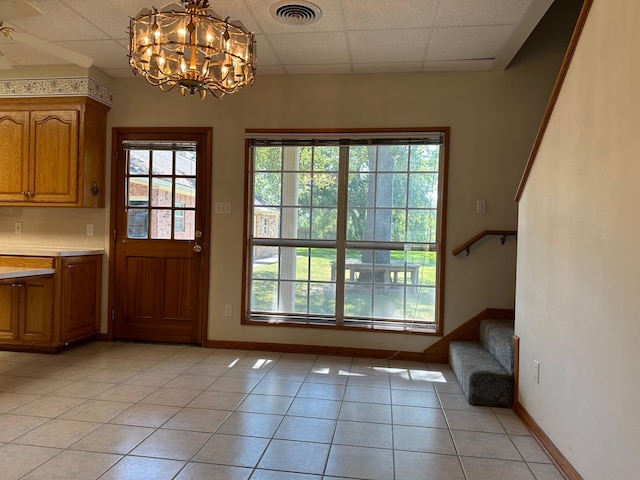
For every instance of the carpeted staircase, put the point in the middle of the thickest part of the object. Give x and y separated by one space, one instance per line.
485 369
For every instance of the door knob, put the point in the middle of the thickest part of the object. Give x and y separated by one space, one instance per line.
197 248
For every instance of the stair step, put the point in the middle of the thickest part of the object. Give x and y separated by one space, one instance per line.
485 368
497 337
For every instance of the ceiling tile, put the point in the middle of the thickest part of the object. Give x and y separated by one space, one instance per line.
464 43
57 23
106 54
330 21
25 55
235 10
264 53
318 69
480 12
370 14
483 65
387 67
270 70
112 17
310 48
388 45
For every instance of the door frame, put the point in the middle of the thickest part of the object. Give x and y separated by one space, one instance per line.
117 133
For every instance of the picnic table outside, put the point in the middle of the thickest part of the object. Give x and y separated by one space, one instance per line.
390 270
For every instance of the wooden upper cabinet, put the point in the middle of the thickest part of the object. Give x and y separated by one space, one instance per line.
54 158
53 152
14 152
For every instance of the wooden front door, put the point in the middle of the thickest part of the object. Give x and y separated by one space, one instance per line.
161 190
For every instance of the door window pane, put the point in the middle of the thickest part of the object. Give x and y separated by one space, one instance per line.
162 162
185 163
139 161
161 191
185 192
137 223
184 225
161 224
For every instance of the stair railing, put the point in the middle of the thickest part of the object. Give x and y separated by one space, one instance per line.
466 246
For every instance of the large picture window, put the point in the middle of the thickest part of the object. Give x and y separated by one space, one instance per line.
346 229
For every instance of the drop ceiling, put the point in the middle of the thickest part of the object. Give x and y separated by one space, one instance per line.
351 36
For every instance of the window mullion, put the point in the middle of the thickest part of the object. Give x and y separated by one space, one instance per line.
341 230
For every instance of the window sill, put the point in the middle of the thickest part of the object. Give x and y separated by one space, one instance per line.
352 325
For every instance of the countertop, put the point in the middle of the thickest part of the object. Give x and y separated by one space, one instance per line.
21 272
45 251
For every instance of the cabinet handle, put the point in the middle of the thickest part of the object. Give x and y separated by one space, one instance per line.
19 285
28 194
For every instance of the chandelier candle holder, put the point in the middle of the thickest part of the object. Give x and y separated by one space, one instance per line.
191 47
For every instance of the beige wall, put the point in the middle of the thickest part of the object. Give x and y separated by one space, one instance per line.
577 299
493 119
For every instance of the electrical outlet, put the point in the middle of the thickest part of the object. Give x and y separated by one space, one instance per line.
228 311
18 228
536 371
481 206
89 229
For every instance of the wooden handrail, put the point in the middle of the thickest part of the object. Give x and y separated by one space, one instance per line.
467 245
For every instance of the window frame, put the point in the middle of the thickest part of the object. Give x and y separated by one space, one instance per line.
313 134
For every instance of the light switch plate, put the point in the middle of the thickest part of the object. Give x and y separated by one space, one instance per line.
223 208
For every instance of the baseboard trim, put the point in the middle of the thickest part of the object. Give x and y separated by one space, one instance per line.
569 472
316 350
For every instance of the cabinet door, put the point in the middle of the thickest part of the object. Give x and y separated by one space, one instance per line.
14 156
9 310
80 297
36 323
53 172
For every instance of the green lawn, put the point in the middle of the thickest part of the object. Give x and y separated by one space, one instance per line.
315 293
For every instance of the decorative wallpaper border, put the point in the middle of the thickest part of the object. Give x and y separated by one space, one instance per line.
56 87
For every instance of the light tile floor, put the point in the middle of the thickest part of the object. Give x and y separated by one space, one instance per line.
143 411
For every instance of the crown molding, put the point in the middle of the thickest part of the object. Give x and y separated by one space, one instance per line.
56 87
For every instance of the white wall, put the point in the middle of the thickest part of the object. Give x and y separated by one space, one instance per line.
577 299
493 119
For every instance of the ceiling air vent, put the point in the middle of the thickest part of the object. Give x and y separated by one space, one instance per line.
296 13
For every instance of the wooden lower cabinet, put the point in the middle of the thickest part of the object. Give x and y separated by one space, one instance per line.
26 310
80 297
9 310
46 313
36 321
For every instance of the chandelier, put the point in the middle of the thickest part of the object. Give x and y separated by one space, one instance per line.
190 46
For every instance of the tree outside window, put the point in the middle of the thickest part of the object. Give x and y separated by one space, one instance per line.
357 242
